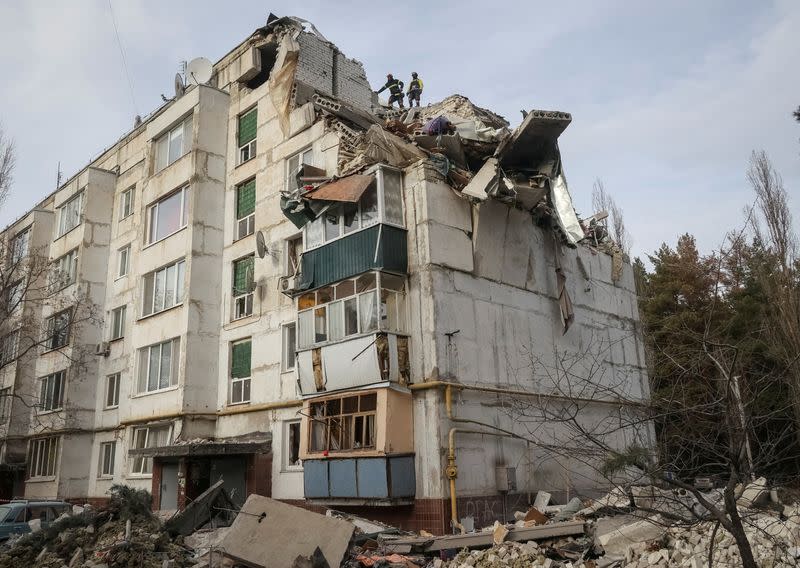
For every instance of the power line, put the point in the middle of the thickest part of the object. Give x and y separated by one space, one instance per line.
124 60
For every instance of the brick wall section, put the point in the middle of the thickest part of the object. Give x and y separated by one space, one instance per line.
347 81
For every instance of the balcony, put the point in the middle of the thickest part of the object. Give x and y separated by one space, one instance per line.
387 480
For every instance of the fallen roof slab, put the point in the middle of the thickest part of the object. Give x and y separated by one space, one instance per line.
271 534
533 139
470 540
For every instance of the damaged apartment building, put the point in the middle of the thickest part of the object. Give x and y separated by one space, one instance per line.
305 295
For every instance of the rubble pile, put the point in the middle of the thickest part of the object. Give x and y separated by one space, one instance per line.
516 555
124 534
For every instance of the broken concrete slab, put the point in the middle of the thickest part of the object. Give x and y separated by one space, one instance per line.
534 141
753 493
618 540
271 534
484 182
212 503
542 500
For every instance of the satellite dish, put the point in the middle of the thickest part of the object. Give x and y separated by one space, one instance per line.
198 71
261 245
180 88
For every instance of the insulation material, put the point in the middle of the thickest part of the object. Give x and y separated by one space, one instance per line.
281 80
379 146
565 212
348 189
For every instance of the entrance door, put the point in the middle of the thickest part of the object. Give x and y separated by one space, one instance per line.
169 486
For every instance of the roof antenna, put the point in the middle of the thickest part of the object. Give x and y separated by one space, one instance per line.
58 175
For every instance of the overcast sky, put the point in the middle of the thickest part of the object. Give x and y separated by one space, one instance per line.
668 98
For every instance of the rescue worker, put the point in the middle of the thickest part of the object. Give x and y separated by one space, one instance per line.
395 87
414 89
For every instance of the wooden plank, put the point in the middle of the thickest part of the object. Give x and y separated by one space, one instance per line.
474 540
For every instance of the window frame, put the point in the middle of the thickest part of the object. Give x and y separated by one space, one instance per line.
152 215
16 254
6 397
251 146
339 420
114 378
249 220
49 342
293 247
286 356
57 280
9 355
107 459
244 382
146 461
118 316
166 135
47 403
319 224
287 445
127 203
41 451
61 230
174 366
124 252
179 285
289 174
245 299
378 290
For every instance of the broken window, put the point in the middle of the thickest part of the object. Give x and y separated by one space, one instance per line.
64 271
292 445
173 144
294 249
351 307
293 166
152 437
58 329
343 424
241 357
289 346
248 126
51 395
392 196
19 245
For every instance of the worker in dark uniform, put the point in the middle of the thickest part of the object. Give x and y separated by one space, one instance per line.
395 87
414 89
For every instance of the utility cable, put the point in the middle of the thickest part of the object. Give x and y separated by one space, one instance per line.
124 60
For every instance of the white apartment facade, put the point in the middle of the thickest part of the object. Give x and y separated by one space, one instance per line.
313 366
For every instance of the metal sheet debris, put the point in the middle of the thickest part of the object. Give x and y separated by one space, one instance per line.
349 189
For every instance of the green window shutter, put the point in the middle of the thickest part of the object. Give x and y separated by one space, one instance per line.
243 275
246 199
240 359
247 126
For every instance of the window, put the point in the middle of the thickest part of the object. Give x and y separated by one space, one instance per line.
153 437
169 215
289 334
163 288
158 366
291 446
5 404
107 453
342 219
126 202
9 346
69 215
51 395
19 245
58 330
112 390
343 424
351 307
245 209
118 322
293 165
14 295
43 457
294 251
173 144
243 286
248 126
64 271
123 260
241 354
